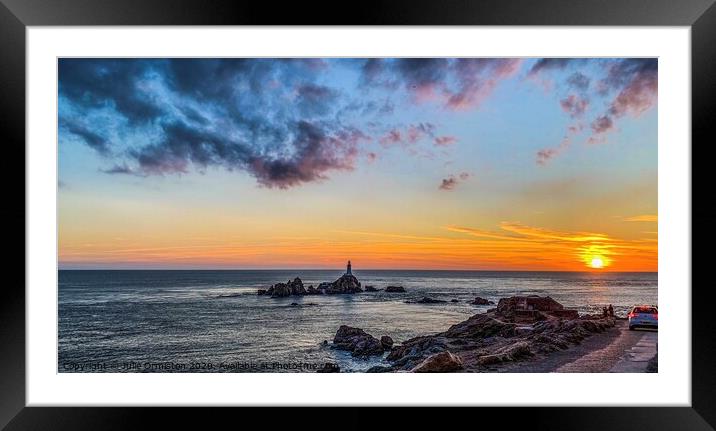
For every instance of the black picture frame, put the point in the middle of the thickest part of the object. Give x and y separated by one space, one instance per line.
16 15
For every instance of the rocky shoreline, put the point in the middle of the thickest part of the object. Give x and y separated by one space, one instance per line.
519 328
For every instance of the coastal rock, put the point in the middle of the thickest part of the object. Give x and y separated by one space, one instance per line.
532 302
386 341
329 367
371 289
501 335
279 290
395 289
513 352
291 287
347 283
481 301
454 300
312 290
261 292
357 341
426 300
481 326
443 362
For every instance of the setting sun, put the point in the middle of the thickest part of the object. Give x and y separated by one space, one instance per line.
597 262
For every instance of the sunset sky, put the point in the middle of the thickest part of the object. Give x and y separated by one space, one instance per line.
484 164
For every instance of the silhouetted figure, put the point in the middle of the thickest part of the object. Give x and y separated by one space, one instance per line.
611 310
604 311
348 268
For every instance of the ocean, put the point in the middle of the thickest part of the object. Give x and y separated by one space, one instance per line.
213 321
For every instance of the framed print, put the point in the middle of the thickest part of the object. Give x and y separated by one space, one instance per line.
253 206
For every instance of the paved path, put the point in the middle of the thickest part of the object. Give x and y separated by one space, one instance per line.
636 359
609 357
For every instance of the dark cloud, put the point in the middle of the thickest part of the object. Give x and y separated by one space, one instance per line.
200 113
579 81
118 169
602 124
99 82
574 105
314 99
92 139
457 84
546 154
634 81
452 181
314 150
444 141
409 135
476 79
544 64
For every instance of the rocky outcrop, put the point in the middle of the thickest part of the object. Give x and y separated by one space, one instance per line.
532 302
357 341
481 301
347 283
502 335
426 300
279 290
386 341
395 289
443 362
371 289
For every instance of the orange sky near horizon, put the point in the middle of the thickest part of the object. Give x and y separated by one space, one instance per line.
511 246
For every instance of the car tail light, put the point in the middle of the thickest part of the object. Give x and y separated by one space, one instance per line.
632 315
656 316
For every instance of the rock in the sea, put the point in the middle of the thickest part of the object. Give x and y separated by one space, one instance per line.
357 341
371 289
347 283
261 292
291 287
443 362
386 341
312 290
480 301
280 290
395 289
454 300
427 300
329 367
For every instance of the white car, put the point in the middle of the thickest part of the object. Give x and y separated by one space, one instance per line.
644 316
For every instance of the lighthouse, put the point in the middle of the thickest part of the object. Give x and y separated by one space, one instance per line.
348 268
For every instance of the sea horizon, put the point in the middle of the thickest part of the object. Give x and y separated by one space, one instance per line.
366 270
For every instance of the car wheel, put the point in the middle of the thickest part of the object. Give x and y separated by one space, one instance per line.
631 328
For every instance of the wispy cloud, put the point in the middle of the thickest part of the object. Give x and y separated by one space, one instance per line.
643 218
452 181
518 242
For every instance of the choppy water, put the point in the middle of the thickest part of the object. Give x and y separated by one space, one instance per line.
119 321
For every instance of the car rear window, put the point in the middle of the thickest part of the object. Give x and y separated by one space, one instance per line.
646 310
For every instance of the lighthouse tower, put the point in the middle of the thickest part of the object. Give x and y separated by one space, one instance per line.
348 268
